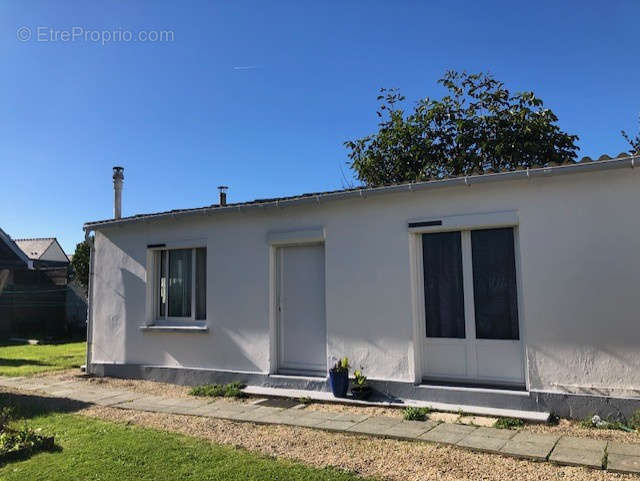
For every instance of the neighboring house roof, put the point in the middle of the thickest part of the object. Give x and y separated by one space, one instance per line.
9 245
42 249
586 164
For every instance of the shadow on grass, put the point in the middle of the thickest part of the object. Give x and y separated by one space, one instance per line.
25 454
27 406
22 362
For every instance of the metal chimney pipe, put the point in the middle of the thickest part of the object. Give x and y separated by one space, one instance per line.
118 177
223 194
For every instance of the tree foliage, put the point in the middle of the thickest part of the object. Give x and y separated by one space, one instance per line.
478 127
634 142
80 263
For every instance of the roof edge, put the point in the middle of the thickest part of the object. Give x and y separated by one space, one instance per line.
630 161
16 249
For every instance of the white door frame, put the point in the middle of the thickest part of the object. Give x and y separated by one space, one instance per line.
466 222
276 240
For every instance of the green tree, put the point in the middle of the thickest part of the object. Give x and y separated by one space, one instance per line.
80 263
478 127
633 142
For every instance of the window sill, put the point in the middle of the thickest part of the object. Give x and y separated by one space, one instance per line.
199 328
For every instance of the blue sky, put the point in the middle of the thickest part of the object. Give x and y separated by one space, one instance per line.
181 119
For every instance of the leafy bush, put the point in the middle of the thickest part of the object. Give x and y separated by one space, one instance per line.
233 389
208 390
360 380
509 423
24 440
342 365
416 414
305 400
553 420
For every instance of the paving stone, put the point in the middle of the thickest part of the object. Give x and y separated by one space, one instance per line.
118 398
505 434
530 446
375 426
622 463
579 452
582 443
488 440
304 421
257 414
447 433
207 410
282 403
332 425
354 418
409 429
623 448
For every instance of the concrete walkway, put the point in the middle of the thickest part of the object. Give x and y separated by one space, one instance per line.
613 456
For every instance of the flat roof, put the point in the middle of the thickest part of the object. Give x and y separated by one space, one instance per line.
623 160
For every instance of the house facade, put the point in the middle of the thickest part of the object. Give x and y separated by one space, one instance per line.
514 290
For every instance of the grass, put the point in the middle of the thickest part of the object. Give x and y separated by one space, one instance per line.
416 414
509 423
90 449
25 360
233 389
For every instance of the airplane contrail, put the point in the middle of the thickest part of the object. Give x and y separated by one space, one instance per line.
246 67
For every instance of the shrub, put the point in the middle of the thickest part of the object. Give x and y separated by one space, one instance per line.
305 400
360 380
553 420
208 390
597 422
342 365
233 389
416 414
509 423
19 441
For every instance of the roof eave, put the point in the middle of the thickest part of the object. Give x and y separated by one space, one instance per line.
617 163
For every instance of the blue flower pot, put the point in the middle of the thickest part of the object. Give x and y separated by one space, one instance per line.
339 381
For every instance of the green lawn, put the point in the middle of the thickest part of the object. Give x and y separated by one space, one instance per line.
105 451
24 360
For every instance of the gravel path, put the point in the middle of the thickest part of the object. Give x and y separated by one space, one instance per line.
382 458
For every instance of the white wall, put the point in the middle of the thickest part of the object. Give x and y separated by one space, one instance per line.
54 253
580 273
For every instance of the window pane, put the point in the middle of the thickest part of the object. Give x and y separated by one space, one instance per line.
494 284
162 284
180 283
201 284
443 291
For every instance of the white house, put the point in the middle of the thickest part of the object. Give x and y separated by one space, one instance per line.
507 290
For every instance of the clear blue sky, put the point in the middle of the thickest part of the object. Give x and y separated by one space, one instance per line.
181 119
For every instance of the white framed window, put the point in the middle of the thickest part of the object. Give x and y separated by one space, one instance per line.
180 284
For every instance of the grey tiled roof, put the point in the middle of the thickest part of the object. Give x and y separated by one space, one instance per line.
584 164
34 248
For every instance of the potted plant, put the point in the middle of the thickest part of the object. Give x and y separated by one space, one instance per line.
339 377
360 389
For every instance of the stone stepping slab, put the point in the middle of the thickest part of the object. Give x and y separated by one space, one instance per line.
597 454
579 452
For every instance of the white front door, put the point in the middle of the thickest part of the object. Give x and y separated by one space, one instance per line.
472 331
302 331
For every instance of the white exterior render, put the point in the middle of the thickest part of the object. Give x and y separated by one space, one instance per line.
575 237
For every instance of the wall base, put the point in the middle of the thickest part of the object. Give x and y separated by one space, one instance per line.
573 406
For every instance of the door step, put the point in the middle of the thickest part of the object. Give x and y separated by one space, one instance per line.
397 403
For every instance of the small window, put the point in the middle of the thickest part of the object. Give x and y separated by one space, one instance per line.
181 284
